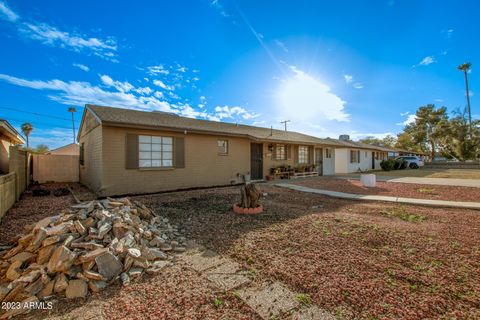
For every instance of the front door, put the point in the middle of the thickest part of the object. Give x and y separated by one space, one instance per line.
319 161
373 160
256 161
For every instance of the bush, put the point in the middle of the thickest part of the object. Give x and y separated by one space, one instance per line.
400 164
387 165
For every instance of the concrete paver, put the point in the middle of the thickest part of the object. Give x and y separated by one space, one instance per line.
311 313
269 300
227 276
202 261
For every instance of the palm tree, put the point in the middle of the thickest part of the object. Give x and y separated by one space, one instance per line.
73 110
465 67
26 129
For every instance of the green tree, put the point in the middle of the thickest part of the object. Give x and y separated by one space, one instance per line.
27 129
460 141
465 67
430 125
405 142
41 148
387 141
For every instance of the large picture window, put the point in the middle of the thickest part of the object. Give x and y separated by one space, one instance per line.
328 153
155 151
302 154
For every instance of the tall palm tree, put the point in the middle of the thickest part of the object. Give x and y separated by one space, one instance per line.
465 67
73 110
26 129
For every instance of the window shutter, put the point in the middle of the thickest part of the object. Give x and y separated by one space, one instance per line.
179 152
274 152
310 155
289 151
358 156
295 154
132 151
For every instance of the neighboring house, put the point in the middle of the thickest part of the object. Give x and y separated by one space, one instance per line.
353 156
71 149
130 152
8 137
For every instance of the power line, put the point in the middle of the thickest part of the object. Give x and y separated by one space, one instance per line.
37 122
35 113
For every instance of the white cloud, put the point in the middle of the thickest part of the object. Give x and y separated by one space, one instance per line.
156 70
403 114
427 61
471 93
358 85
357 135
219 7
410 119
438 100
161 84
53 138
120 86
81 67
281 45
450 33
304 98
6 13
50 35
348 78
233 112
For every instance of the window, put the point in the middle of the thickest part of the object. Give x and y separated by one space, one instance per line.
280 153
328 153
82 154
222 146
155 151
366 154
302 154
354 156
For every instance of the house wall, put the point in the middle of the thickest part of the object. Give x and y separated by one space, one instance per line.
328 163
4 153
91 172
203 165
269 160
343 165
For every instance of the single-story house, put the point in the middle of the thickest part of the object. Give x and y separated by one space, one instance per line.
126 151
351 156
9 136
71 149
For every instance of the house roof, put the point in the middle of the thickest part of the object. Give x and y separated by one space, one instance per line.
135 118
360 145
8 130
65 147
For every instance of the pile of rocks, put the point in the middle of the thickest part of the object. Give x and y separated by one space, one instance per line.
86 248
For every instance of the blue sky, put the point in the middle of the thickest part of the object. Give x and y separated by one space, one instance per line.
331 67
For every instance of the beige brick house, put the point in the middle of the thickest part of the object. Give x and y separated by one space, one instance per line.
132 152
8 137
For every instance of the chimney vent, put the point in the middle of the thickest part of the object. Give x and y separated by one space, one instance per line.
344 137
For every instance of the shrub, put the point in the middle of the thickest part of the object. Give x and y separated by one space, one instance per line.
387 165
399 164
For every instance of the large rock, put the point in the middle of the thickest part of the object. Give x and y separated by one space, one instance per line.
61 260
61 283
24 256
14 271
90 256
108 265
45 253
76 289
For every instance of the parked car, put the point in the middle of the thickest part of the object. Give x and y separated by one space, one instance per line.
413 162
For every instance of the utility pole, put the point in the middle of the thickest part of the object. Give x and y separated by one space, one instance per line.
285 122
73 110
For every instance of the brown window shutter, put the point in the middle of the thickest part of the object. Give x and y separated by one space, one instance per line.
358 156
289 151
274 152
179 152
295 154
132 151
310 155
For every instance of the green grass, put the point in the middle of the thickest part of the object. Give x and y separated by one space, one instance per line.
304 299
403 214
217 303
426 190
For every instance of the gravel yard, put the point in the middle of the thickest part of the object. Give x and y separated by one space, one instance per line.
357 260
406 190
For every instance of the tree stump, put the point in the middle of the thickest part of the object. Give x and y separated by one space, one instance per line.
250 195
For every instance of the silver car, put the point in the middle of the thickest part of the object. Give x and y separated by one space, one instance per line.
413 162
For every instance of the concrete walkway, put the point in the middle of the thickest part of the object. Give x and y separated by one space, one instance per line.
475 183
352 196
270 300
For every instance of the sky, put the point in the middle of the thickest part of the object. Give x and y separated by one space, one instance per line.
329 67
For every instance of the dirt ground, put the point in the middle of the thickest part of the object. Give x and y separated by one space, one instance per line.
434 173
357 260
406 190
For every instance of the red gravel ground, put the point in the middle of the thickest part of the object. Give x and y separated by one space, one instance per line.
357 260
32 209
405 190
